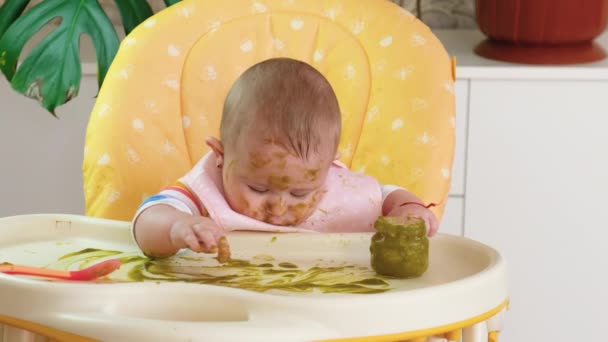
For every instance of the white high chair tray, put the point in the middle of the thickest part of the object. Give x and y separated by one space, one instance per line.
263 297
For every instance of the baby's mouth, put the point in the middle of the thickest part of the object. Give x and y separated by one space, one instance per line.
278 220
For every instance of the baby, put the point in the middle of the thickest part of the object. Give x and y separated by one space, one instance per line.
274 168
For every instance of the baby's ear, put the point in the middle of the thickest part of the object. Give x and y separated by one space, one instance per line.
218 149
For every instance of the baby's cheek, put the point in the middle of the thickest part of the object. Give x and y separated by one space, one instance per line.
303 210
245 205
251 207
300 211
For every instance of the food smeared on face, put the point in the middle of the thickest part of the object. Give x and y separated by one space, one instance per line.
257 161
312 174
279 182
269 183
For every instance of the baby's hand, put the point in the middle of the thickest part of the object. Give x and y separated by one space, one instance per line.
200 234
417 211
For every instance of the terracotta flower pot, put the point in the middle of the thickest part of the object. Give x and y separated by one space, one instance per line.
542 31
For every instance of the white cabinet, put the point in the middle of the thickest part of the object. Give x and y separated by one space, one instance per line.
537 181
535 184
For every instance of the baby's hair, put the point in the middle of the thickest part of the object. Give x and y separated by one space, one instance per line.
294 103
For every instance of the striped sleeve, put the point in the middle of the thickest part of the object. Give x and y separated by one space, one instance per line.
176 195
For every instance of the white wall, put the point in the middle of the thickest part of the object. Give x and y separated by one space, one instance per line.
40 155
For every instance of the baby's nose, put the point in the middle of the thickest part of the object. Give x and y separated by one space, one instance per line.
277 206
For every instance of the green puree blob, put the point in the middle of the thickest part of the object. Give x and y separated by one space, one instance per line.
400 247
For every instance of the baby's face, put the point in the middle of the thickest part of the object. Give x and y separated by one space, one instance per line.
264 181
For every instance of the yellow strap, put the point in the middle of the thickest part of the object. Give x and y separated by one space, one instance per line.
453 335
493 336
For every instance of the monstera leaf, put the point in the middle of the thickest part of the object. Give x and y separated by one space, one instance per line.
9 12
51 72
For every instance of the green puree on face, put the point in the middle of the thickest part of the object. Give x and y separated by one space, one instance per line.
400 247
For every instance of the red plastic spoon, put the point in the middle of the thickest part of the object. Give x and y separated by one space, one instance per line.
89 273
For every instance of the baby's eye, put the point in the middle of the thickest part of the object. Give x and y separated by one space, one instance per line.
257 189
300 194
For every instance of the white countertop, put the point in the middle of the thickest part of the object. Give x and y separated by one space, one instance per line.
460 43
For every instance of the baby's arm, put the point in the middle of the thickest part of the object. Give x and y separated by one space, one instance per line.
393 196
172 220
400 202
152 229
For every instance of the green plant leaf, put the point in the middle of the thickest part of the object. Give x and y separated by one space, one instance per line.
51 72
171 2
10 11
133 12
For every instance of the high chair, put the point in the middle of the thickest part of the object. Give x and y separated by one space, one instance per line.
163 96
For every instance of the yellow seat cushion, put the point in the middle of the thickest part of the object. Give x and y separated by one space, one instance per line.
165 89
